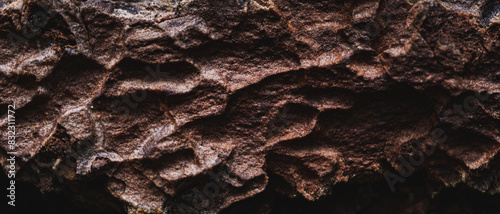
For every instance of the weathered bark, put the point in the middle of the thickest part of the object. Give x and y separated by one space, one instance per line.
193 105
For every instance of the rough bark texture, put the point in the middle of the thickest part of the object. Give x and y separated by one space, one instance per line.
190 106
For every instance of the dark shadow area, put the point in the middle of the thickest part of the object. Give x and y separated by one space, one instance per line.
83 198
415 195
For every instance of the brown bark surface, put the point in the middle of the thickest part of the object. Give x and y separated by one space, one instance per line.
189 106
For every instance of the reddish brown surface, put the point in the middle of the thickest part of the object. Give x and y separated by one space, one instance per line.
155 98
